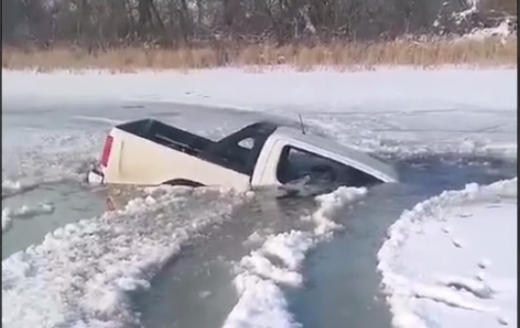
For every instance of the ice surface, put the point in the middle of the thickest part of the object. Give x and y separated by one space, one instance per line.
432 282
278 89
81 274
46 156
261 301
398 110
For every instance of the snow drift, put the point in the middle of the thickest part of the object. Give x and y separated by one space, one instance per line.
435 263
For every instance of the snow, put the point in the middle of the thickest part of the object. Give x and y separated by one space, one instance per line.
11 188
265 272
80 275
384 89
24 212
501 30
433 279
396 110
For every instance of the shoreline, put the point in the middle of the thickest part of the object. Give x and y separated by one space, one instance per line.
425 55
259 70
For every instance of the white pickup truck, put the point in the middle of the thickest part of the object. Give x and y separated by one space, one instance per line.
149 152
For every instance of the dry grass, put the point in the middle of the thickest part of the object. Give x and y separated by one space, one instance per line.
488 52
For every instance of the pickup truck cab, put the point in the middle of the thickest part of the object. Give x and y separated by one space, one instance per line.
149 152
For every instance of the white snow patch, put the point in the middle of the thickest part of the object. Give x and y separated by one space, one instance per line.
80 275
430 283
280 89
11 188
24 212
290 248
261 305
329 204
264 272
502 30
6 221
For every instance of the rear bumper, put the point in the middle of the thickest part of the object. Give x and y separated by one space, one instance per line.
95 177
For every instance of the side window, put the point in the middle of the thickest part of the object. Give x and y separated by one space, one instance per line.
247 143
295 164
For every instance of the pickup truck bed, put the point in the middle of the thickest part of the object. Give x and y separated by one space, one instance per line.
168 136
225 152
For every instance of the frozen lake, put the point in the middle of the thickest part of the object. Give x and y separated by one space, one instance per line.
172 262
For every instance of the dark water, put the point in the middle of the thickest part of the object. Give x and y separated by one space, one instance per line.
195 290
342 284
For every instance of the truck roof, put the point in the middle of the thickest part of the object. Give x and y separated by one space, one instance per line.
337 148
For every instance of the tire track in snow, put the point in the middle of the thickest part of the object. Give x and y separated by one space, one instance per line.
263 273
82 274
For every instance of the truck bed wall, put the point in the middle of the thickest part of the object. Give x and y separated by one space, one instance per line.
166 135
138 161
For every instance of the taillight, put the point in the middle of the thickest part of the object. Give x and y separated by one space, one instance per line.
106 150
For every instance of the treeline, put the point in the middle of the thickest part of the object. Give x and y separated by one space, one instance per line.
175 23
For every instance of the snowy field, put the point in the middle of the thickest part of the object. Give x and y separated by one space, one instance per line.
451 260
448 259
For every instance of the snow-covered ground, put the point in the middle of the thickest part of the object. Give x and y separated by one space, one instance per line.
387 89
452 260
81 274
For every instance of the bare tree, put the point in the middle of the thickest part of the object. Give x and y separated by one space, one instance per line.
109 23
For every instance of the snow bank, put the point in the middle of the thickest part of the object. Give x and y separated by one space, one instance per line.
451 260
81 274
266 271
